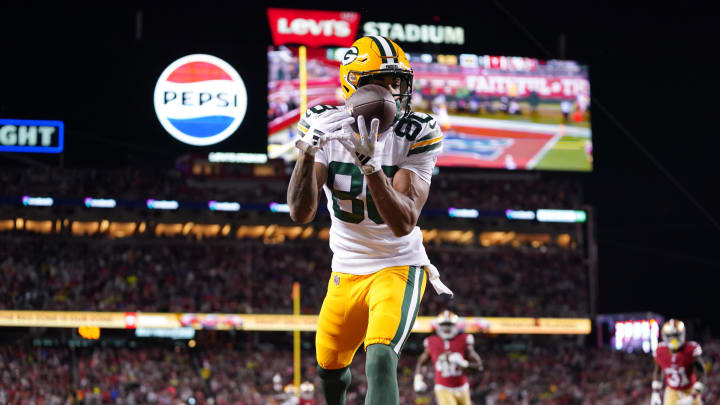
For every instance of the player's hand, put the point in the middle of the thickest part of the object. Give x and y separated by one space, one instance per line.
655 398
363 147
419 385
698 387
326 127
458 359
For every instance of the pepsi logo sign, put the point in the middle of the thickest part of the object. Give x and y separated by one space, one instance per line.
200 100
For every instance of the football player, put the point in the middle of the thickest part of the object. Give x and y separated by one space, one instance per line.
307 393
376 185
682 365
452 353
289 395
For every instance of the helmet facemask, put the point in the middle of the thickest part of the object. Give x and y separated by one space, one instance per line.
673 333
447 330
674 340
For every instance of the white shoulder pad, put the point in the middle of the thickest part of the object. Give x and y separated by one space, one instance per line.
697 351
422 133
423 139
470 340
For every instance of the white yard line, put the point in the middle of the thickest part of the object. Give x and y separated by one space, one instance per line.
541 153
519 126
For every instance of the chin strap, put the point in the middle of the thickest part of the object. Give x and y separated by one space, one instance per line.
434 276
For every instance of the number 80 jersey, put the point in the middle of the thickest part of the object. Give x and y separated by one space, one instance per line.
360 240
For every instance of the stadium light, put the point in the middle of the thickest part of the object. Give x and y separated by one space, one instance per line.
162 204
277 207
223 206
463 212
523 215
100 202
37 201
561 216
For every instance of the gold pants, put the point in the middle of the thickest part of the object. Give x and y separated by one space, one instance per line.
373 308
673 396
452 396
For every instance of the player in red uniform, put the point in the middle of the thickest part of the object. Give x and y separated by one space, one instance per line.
290 395
452 353
682 365
307 393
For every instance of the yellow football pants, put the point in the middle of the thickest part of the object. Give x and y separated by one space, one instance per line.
374 308
447 396
673 396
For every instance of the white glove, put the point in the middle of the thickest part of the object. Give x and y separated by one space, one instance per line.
655 398
363 147
698 387
458 359
325 128
419 385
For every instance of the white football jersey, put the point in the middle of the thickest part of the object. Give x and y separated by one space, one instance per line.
361 242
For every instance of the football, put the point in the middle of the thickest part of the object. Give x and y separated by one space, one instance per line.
372 101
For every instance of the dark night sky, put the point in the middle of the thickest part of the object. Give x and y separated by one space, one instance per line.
653 67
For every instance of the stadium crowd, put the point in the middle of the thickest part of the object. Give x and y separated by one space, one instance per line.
451 190
541 374
167 275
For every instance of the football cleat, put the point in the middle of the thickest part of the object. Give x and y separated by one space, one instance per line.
673 333
447 325
376 59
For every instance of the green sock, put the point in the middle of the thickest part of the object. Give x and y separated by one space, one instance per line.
334 384
381 369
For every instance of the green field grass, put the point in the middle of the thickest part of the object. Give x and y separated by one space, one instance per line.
567 154
547 113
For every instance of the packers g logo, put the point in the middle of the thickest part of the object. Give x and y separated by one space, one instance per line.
350 56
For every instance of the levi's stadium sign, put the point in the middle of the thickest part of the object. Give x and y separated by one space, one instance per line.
430 34
313 28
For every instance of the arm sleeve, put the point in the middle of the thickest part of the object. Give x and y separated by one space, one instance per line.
426 343
423 153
